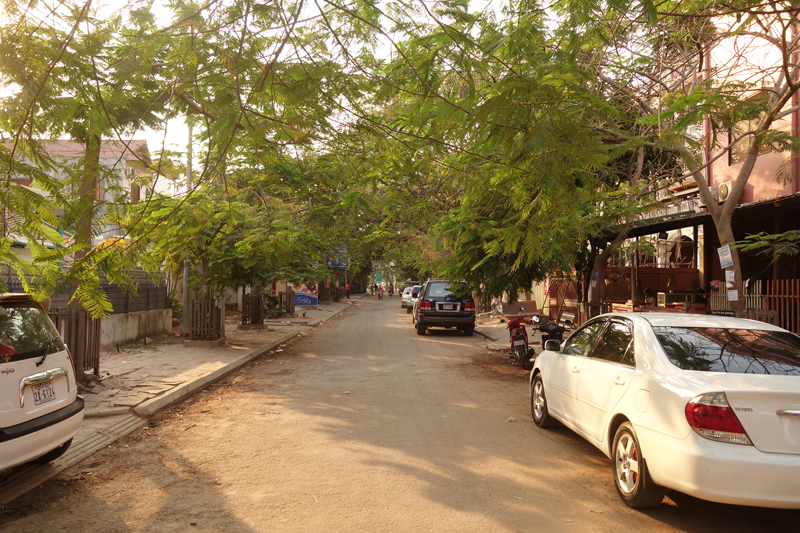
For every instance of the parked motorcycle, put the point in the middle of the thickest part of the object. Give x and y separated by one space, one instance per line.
518 336
552 331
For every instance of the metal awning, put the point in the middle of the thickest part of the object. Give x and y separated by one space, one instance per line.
684 219
688 219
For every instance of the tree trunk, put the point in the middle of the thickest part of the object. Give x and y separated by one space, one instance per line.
597 282
83 230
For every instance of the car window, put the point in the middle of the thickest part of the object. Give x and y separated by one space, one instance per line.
580 341
415 291
735 351
441 289
26 332
614 344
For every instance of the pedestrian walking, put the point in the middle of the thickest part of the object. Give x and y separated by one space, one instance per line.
347 287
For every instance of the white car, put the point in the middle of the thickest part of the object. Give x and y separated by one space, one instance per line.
405 298
705 405
40 410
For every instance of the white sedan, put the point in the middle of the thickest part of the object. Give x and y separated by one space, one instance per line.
705 405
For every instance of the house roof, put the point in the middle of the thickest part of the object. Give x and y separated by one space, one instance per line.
130 149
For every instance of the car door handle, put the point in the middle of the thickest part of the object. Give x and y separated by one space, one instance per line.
575 370
788 412
619 381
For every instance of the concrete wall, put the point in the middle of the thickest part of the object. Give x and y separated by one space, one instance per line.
124 328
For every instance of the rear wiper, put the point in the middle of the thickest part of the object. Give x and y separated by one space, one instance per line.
46 348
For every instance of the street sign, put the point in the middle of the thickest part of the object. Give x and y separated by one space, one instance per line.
379 278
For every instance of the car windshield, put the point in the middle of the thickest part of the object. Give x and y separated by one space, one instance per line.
26 332
736 351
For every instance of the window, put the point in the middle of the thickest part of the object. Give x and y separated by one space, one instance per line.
735 351
581 341
615 344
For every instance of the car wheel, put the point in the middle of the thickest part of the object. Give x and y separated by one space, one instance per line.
420 328
408 310
52 455
539 405
469 330
631 477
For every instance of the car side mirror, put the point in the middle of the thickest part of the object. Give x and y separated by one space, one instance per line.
552 345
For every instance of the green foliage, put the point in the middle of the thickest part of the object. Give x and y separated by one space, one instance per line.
772 245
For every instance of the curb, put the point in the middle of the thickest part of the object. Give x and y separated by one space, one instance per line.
154 405
318 321
485 336
110 411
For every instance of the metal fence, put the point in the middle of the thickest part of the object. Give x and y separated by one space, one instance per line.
150 296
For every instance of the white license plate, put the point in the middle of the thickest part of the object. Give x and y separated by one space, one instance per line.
520 342
448 307
43 392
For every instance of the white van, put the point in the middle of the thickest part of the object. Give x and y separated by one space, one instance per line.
40 410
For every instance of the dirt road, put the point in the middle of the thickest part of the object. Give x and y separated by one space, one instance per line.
361 426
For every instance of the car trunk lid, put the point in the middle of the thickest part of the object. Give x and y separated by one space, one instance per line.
770 418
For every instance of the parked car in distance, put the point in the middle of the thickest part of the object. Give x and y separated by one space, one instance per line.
704 405
405 298
40 410
445 304
413 298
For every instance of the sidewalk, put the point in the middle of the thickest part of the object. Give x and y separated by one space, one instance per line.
141 379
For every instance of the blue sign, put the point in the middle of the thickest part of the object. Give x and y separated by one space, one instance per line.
338 259
304 299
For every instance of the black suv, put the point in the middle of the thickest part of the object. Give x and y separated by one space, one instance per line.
445 304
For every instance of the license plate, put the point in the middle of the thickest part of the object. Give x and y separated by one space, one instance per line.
44 392
520 342
448 307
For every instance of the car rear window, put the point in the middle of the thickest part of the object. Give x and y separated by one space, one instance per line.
735 351
440 289
415 291
26 332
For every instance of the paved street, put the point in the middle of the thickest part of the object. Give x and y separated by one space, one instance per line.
362 425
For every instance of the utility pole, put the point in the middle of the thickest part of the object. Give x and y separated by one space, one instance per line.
186 264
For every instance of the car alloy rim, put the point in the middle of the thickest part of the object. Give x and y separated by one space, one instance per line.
538 399
627 463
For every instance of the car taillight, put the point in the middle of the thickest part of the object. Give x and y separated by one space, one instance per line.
469 306
425 305
712 417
